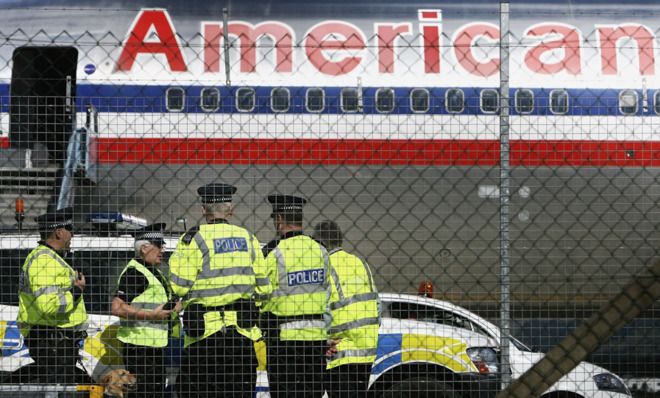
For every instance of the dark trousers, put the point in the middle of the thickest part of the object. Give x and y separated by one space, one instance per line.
295 368
348 381
147 363
221 365
55 353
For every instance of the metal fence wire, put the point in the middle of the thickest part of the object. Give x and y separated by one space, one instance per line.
470 214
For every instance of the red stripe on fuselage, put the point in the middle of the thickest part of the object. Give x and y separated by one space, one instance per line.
377 152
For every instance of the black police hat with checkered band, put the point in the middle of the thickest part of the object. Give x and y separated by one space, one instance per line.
152 233
216 193
286 204
62 218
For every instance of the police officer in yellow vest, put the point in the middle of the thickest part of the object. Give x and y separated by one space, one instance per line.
294 316
143 303
354 309
218 269
51 309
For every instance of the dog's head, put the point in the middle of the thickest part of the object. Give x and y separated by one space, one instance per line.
117 382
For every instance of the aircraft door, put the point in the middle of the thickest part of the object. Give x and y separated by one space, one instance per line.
42 106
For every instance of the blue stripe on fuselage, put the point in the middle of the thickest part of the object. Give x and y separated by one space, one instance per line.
122 98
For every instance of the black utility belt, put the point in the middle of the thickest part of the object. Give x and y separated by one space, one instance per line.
193 316
272 318
52 332
238 306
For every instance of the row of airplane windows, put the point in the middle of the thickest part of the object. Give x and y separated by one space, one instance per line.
420 100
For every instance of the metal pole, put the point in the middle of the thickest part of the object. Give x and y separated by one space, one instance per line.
505 304
225 34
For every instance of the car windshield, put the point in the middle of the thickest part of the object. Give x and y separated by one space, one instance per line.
519 344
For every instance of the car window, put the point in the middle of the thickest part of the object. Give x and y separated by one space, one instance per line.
424 313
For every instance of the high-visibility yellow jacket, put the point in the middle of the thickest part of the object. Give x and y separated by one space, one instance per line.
298 268
146 333
216 265
45 292
354 309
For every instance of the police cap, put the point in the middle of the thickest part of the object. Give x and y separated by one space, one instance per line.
216 193
286 204
62 218
152 233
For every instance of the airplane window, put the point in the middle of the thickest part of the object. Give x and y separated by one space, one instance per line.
524 101
656 102
175 99
279 99
628 102
315 100
489 101
245 99
349 99
210 99
559 102
455 100
420 100
385 100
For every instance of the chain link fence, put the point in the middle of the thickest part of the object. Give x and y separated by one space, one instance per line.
390 129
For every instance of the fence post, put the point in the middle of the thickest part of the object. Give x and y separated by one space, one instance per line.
504 194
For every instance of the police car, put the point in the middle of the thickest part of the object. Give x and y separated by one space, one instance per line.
586 380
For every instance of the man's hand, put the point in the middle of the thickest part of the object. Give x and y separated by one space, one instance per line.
159 313
332 347
80 281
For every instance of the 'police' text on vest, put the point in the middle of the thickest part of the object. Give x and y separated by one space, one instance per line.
306 277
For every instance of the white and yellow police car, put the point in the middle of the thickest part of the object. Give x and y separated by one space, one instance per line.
414 323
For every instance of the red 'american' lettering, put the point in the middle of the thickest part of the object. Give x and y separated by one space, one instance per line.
336 47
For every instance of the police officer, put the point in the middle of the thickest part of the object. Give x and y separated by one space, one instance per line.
143 302
354 309
51 308
218 269
294 316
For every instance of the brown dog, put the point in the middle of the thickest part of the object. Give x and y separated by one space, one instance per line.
117 382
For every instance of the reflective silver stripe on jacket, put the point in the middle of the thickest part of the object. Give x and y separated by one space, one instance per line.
181 281
208 273
308 324
265 281
62 308
354 299
253 255
285 290
219 291
130 323
353 325
354 353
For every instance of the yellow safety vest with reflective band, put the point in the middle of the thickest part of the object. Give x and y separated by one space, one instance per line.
145 332
354 308
45 292
298 268
216 266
